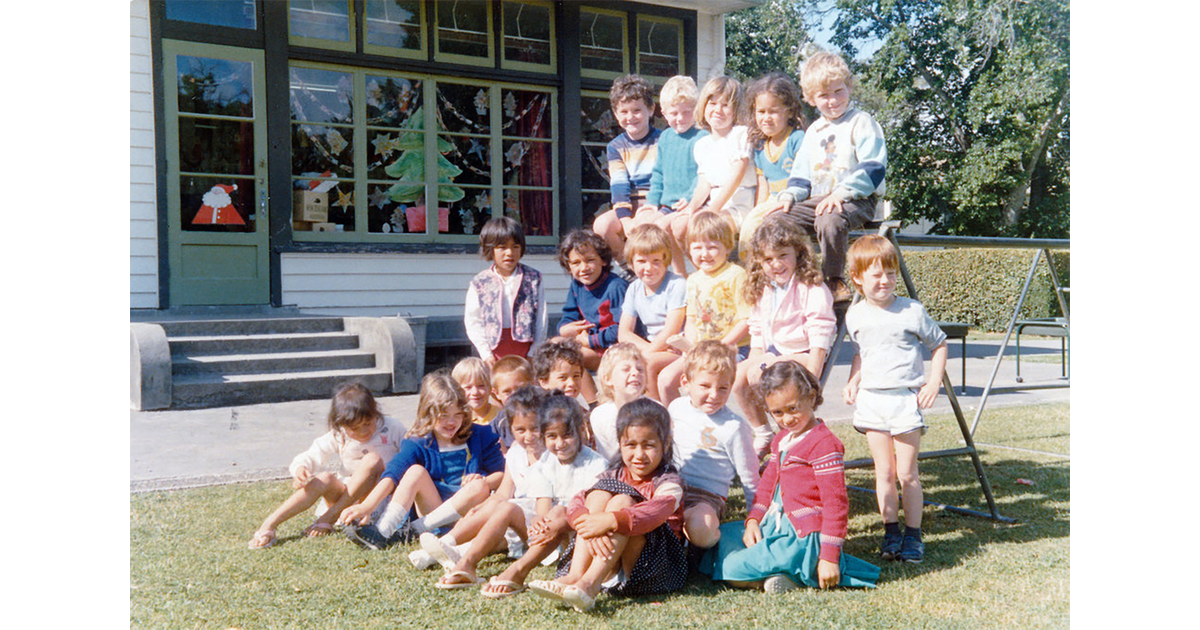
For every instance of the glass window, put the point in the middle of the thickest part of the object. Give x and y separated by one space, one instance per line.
395 27
529 36
226 13
660 48
322 114
599 127
602 43
395 155
464 31
321 23
528 149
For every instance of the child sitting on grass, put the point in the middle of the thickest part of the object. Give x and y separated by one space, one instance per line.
361 440
508 375
622 377
446 466
473 375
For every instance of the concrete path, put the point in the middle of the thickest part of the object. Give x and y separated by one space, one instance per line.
189 448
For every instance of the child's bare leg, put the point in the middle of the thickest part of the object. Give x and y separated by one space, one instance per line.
748 375
908 445
609 227
416 487
491 535
655 362
881 445
668 381
356 489
302 499
596 501
591 363
678 262
625 551
701 525
534 555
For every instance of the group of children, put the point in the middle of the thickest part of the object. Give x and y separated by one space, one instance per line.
628 497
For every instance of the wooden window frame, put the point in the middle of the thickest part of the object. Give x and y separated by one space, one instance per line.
680 53
392 51
441 57
350 45
552 67
588 73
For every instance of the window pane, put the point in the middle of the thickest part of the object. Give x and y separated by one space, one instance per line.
217 204
594 205
658 48
464 160
215 86
394 23
388 216
595 168
527 33
228 13
330 205
467 214
320 151
532 208
525 114
320 19
396 155
216 146
463 108
598 124
527 163
394 102
321 96
602 43
463 27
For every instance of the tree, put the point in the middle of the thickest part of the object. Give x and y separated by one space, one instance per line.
974 98
765 38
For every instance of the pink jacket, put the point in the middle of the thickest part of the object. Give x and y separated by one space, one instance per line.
803 320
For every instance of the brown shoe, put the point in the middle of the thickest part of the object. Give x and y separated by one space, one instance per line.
840 290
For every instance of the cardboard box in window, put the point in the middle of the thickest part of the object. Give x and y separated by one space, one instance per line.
310 206
324 227
415 217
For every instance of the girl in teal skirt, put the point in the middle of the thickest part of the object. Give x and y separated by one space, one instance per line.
794 532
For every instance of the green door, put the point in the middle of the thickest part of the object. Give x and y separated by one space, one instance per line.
216 174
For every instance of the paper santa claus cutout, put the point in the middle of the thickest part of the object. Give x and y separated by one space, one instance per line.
217 207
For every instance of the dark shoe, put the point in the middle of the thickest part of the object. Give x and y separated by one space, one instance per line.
892 543
912 549
368 536
840 290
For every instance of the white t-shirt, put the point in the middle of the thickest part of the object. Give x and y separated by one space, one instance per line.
551 478
652 310
604 430
709 450
516 464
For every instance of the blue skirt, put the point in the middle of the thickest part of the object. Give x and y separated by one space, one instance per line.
782 551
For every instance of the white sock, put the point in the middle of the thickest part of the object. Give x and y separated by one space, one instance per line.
391 519
441 516
449 539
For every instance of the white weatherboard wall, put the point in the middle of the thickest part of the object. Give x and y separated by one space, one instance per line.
143 214
427 285
710 47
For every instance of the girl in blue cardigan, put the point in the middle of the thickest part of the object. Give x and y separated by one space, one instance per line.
446 466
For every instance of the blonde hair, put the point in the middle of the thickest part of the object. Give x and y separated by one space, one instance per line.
513 364
646 240
678 89
710 356
707 225
721 88
822 69
778 232
440 394
623 351
472 370
863 253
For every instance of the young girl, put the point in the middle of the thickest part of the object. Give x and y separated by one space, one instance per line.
474 376
725 182
775 104
446 466
622 376
792 317
628 526
569 469
506 306
485 529
655 306
361 439
794 530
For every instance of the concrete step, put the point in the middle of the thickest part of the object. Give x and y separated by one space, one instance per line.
236 327
272 363
213 390
261 344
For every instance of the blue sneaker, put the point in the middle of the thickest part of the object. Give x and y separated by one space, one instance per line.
912 549
368 536
890 548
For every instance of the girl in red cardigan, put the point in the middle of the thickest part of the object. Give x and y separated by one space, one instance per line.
795 528
628 538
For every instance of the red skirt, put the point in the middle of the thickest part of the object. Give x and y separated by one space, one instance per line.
509 346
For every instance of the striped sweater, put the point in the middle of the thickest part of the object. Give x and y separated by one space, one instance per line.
630 165
813 487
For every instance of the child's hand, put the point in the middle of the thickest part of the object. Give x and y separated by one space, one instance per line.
542 531
753 533
680 204
849 393
573 329
830 204
829 574
600 547
302 478
468 478
596 525
928 394
357 513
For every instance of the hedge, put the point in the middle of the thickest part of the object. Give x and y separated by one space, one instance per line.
980 287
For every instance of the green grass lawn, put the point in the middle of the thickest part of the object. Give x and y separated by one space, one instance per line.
189 565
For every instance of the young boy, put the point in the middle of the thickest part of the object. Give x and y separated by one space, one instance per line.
631 158
716 306
711 442
656 304
673 179
888 386
838 173
592 310
473 375
508 375
558 364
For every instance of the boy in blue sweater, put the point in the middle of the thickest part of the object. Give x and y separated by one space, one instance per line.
631 158
674 176
592 310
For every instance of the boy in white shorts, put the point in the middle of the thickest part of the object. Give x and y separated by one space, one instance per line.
887 381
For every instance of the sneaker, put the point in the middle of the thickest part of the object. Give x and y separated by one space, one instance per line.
840 290
779 584
912 550
369 537
890 548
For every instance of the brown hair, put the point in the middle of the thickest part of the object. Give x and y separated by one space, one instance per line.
512 364
778 232
784 373
711 356
550 353
440 393
648 239
782 87
631 88
352 403
726 88
583 237
498 231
